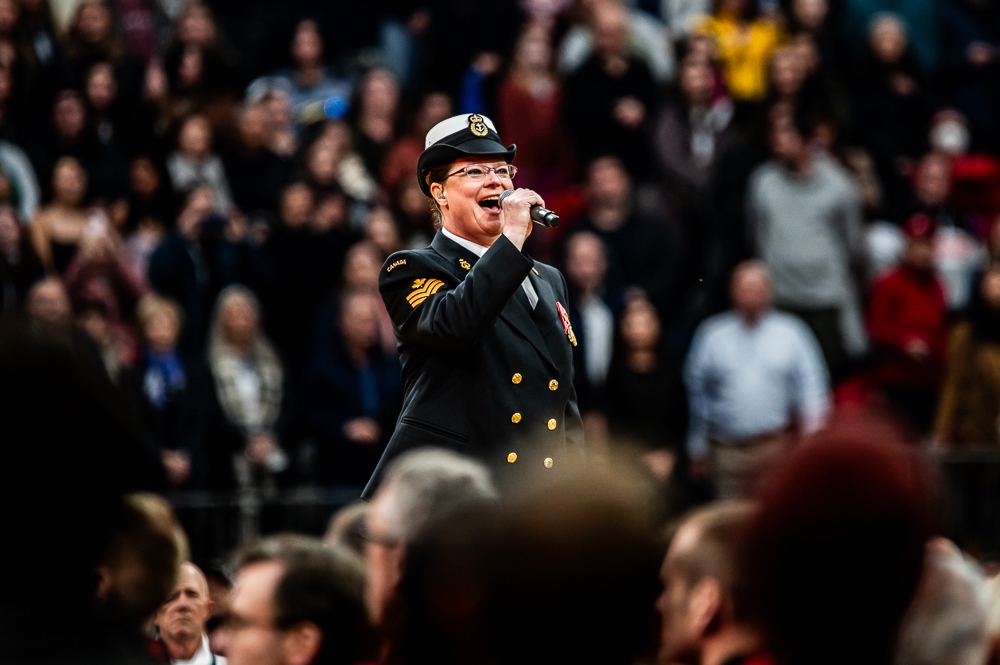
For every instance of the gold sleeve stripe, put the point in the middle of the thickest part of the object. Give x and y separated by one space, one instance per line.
420 295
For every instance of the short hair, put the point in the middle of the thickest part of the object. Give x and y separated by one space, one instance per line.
719 551
320 584
428 484
437 174
947 622
346 528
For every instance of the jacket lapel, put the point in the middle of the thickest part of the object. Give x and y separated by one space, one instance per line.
546 317
455 256
518 318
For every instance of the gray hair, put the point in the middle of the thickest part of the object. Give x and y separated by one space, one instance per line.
427 485
947 622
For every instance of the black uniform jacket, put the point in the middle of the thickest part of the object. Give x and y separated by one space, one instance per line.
484 374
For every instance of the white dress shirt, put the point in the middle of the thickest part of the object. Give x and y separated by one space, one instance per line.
203 656
479 250
746 380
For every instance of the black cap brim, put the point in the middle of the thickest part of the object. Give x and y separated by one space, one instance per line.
443 153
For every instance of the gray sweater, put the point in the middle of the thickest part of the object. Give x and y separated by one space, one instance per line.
807 229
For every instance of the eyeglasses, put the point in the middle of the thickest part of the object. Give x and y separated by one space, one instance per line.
479 172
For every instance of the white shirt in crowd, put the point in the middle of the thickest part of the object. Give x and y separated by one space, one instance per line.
203 656
747 380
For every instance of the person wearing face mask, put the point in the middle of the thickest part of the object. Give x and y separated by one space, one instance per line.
484 334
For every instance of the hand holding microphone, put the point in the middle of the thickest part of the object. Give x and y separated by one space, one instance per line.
538 214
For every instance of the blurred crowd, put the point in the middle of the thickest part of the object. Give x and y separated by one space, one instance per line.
771 210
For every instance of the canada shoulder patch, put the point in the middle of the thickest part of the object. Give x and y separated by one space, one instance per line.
422 289
401 262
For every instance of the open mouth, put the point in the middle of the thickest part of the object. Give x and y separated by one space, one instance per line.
490 204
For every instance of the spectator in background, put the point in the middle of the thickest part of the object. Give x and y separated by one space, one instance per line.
180 622
647 407
352 393
640 251
648 40
947 622
744 43
203 255
20 266
892 104
969 33
753 375
421 489
105 127
168 394
970 399
838 546
609 97
248 383
58 227
361 269
919 19
255 173
297 601
91 38
383 232
194 163
48 301
545 155
805 219
309 84
707 615
691 132
810 18
592 309
148 212
907 324
374 117
401 161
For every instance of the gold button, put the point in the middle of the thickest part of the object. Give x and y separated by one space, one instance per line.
516 418
547 462
512 458
553 423
516 379
553 385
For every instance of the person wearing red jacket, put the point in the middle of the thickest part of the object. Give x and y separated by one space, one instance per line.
907 324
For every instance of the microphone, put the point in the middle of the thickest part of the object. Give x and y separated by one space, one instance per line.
539 215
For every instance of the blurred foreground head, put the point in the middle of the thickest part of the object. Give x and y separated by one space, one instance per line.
421 488
296 601
839 543
565 571
706 614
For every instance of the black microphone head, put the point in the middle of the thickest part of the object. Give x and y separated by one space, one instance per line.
504 194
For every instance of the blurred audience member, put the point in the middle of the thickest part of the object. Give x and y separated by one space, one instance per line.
297 601
421 488
805 218
254 172
168 394
194 164
969 408
892 104
647 406
20 266
648 40
180 622
352 393
249 388
744 42
918 18
401 161
204 254
690 133
838 546
545 155
312 91
375 115
141 561
593 308
609 98
640 251
346 528
708 616
48 301
907 324
58 227
969 33
753 375
947 622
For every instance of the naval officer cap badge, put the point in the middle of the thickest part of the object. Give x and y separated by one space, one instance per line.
477 126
